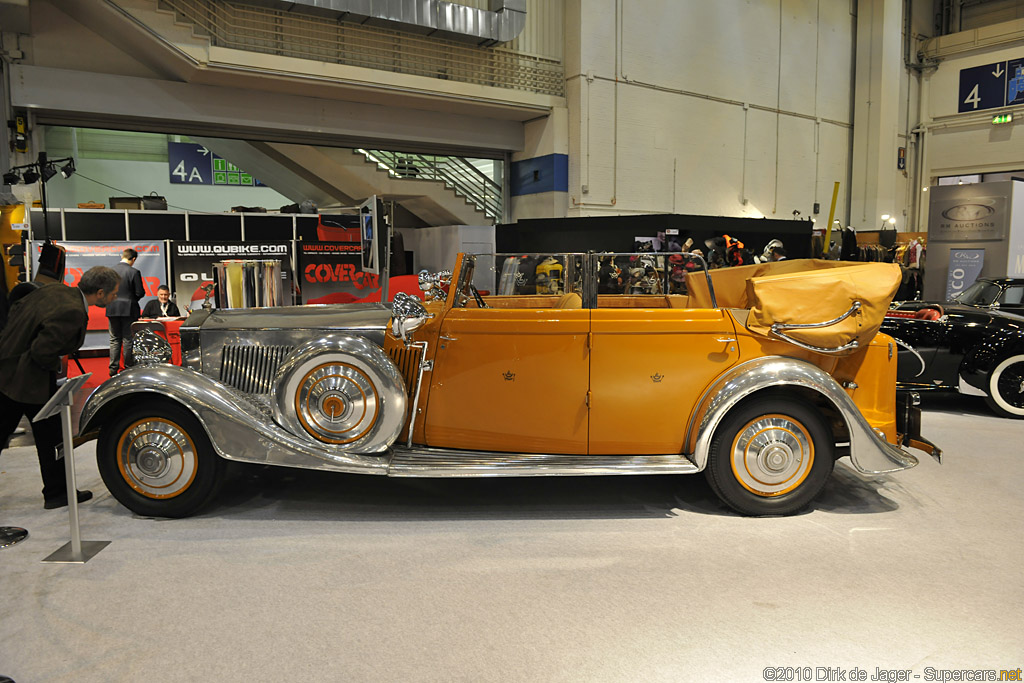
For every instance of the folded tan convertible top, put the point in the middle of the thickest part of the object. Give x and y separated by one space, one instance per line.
806 291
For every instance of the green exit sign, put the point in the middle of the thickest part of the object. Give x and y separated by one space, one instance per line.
1002 118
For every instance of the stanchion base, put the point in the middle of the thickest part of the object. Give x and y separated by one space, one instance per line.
10 535
65 555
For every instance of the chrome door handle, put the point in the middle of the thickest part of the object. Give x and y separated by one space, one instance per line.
447 338
725 340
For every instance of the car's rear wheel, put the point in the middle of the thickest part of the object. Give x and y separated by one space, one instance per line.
157 460
1006 387
770 456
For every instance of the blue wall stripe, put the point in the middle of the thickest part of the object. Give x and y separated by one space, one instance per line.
549 173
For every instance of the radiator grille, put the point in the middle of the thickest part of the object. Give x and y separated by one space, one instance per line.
408 360
251 368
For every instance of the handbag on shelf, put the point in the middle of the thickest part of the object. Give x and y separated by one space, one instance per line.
154 202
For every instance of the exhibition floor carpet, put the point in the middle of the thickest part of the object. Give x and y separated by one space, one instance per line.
314 576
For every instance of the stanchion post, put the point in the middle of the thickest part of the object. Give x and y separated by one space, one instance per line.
76 551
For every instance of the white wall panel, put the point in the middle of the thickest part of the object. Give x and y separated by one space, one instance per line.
676 141
982 148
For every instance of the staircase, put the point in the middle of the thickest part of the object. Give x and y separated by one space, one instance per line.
457 174
331 176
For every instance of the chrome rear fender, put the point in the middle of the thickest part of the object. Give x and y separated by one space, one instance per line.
870 453
239 428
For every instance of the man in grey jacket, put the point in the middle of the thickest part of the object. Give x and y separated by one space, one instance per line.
124 310
43 326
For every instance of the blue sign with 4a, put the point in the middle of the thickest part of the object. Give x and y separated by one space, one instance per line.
189 163
982 87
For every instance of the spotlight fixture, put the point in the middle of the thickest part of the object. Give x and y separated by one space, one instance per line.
48 171
68 169
29 176
11 178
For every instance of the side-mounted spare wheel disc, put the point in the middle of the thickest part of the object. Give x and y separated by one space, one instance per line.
341 391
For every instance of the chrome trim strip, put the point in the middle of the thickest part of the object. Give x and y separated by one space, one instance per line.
965 388
869 453
803 326
438 462
920 360
777 328
817 349
424 365
239 429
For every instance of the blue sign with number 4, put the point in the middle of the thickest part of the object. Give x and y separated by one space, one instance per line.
982 87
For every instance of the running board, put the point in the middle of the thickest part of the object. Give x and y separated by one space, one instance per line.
443 462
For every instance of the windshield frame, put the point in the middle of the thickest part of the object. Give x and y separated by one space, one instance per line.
972 295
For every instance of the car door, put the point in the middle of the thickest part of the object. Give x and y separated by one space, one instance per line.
511 380
648 368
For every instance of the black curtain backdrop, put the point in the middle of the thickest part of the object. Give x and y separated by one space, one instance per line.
616 233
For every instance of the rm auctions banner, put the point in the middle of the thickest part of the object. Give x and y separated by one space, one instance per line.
331 273
81 256
192 265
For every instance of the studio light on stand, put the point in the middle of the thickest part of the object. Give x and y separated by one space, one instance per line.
41 169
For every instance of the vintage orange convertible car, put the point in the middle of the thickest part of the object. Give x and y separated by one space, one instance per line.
758 376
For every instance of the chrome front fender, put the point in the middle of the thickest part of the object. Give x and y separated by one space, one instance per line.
870 453
238 427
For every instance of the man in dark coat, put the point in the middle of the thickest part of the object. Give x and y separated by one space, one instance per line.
124 310
161 306
43 326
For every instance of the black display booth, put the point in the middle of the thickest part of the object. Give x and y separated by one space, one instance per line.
617 233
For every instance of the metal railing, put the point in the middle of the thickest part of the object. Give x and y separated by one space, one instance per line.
289 34
457 173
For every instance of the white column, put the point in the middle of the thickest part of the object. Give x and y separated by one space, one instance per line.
873 187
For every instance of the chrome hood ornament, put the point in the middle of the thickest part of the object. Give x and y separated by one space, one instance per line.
408 315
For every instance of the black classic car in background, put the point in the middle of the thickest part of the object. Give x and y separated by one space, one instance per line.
973 344
1004 293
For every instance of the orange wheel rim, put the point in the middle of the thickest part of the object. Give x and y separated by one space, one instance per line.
772 455
157 458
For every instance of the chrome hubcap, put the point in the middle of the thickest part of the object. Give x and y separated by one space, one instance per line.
336 403
772 455
157 458
152 461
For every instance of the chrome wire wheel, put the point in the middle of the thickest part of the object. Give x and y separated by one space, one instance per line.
772 455
157 458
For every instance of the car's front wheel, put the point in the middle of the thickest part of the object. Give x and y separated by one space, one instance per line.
157 460
770 456
1006 387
